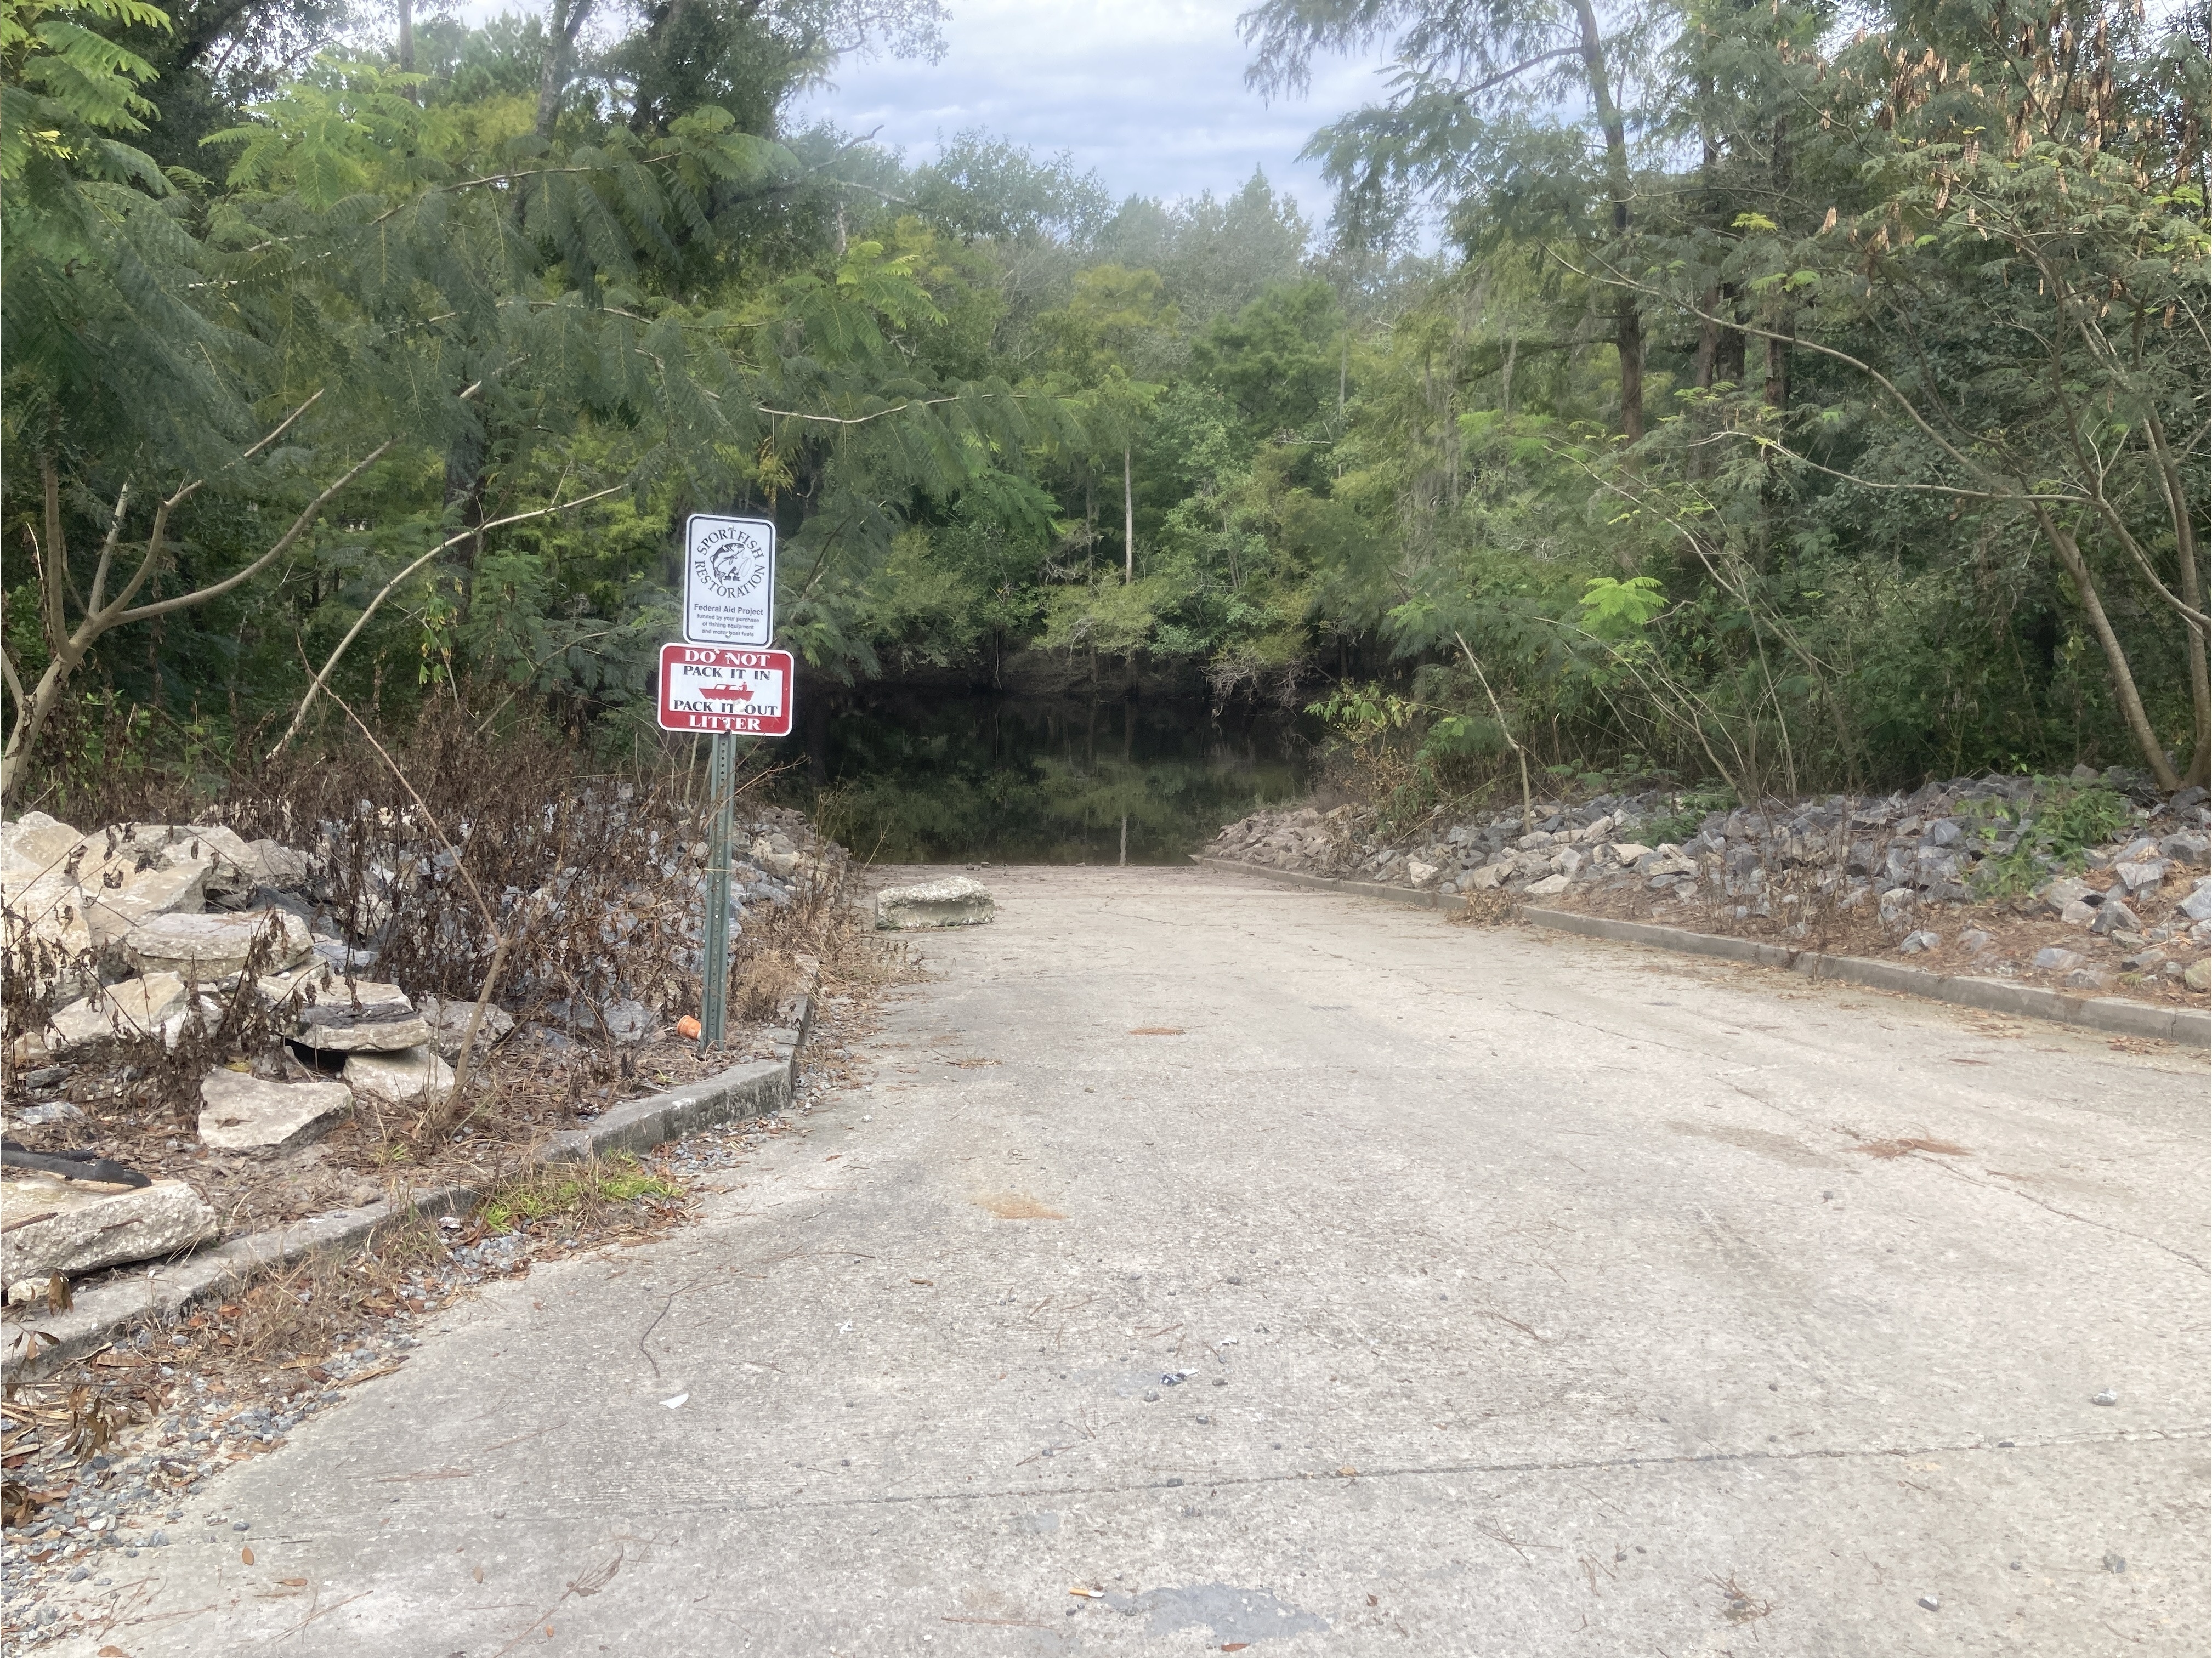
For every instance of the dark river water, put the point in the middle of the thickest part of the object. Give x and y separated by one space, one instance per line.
966 777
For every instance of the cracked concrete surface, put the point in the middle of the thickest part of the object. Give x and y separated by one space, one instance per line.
1476 1291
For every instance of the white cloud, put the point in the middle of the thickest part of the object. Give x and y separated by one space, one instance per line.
1151 93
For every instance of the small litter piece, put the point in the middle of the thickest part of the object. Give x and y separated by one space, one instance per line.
689 1028
1173 1378
1088 1595
672 1404
2107 1397
1931 1603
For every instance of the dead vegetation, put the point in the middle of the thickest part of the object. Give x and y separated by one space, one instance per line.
591 882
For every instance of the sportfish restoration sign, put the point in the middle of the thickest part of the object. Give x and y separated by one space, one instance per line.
744 693
729 581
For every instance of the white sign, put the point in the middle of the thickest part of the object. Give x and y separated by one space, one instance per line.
729 581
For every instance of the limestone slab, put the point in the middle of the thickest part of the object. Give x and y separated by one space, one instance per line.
56 1226
211 947
136 1007
448 1019
240 1112
359 1017
413 1077
955 900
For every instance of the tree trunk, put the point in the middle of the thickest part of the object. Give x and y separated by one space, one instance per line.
564 22
2116 657
1128 521
1629 331
407 38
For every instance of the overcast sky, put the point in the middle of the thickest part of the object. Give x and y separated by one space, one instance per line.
1150 92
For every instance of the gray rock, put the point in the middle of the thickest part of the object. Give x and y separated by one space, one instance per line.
2052 959
2086 978
206 948
1976 940
955 900
2113 916
134 1008
628 1021
240 1112
1931 1603
1917 941
2197 906
1942 833
1421 873
2059 894
2198 975
2138 876
70 1228
409 1078
2079 914
359 1017
143 895
1550 886
276 866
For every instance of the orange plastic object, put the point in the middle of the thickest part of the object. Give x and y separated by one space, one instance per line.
688 1028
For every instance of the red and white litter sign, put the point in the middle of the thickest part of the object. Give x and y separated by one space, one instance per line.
704 687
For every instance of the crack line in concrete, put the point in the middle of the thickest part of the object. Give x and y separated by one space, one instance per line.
1681 1460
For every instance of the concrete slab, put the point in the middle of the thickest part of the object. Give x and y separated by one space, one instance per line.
1520 1294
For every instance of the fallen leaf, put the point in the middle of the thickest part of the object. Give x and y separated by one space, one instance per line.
928 1284
1017 1206
293 1582
113 1652
1347 1471
1235 1646
247 1555
477 1574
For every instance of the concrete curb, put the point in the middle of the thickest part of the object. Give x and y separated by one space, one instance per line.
102 1311
2106 1014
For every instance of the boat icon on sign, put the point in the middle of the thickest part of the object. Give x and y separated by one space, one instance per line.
729 693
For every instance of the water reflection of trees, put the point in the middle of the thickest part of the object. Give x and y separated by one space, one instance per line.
996 779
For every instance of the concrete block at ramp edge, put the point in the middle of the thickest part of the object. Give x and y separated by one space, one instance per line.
955 902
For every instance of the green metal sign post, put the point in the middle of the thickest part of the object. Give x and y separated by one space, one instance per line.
722 775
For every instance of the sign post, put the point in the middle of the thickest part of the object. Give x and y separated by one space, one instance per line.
722 679
722 783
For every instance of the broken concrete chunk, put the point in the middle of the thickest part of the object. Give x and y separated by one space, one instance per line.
955 900
142 895
277 866
211 947
359 1017
136 1007
240 1112
415 1077
2197 906
58 1227
35 844
449 1023
1419 872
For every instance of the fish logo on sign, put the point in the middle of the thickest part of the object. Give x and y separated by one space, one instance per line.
729 581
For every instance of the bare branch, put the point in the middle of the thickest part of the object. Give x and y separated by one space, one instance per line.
284 544
285 426
316 685
106 556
